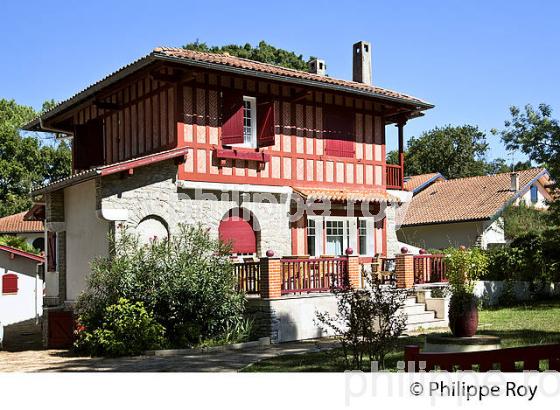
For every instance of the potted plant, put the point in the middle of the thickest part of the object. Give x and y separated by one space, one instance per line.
464 268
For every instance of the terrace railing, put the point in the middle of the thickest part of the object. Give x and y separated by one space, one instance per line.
429 269
248 276
393 177
313 275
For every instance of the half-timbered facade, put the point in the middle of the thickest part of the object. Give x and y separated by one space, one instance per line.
269 158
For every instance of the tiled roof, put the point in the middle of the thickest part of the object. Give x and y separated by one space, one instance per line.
412 183
104 170
227 62
467 199
19 252
344 195
16 224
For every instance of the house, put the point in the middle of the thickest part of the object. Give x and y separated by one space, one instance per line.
273 160
21 293
17 225
467 211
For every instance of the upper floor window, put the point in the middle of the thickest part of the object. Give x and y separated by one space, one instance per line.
249 121
311 237
9 284
534 194
246 124
339 131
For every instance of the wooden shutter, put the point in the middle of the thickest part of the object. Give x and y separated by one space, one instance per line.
265 124
9 283
339 131
232 117
87 147
51 251
238 233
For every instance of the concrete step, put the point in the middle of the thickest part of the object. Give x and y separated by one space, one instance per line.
410 300
425 316
431 324
414 309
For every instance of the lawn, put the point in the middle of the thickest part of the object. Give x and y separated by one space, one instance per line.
529 324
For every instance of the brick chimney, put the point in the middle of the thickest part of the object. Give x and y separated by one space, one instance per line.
514 187
317 66
361 66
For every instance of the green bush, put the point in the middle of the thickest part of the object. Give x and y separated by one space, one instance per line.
464 268
522 219
187 282
127 329
18 242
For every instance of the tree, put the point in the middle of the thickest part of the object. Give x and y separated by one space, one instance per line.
537 134
25 160
500 165
264 53
455 151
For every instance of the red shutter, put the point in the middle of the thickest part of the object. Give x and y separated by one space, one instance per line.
87 146
51 251
79 151
9 283
265 124
339 131
232 118
238 233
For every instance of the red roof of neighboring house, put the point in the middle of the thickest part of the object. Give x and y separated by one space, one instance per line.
105 170
469 199
16 224
19 252
228 63
415 182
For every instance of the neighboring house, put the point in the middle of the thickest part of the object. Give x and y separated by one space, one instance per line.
467 211
21 293
181 136
17 225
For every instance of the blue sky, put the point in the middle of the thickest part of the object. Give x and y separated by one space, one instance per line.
472 59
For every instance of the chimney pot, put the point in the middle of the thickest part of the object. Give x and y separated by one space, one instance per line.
317 66
514 181
361 62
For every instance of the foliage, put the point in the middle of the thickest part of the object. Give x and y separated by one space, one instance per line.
127 329
464 268
18 242
523 219
531 257
455 151
25 160
264 53
500 166
368 322
439 292
187 282
537 134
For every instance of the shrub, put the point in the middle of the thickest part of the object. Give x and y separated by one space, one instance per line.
187 282
127 329
367 323
464 268
18 242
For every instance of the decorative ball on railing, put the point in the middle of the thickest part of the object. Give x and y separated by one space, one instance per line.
462 248
270 253
349 251
404 249
422 251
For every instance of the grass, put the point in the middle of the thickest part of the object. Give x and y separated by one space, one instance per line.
522 325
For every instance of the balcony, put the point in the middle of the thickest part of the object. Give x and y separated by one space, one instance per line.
394 177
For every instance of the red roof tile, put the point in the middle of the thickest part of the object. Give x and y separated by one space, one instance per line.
16 224
414 181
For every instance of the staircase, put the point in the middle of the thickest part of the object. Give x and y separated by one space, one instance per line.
418 318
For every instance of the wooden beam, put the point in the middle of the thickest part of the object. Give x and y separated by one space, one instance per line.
300 96
106 105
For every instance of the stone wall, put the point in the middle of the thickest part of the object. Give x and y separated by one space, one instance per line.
153 191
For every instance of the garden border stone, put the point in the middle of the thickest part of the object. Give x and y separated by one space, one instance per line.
263 341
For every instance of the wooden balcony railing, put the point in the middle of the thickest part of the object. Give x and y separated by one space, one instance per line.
248 276
313 275
393 177
429 269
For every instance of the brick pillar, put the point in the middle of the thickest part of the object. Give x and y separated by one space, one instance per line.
271 278
354 271
404 270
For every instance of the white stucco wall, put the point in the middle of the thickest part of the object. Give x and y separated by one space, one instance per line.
86 235
541 198
28 302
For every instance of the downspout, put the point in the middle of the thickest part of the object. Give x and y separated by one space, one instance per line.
54 130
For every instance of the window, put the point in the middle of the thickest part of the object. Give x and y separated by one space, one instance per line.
250 121
311 238
39 243
362 237
51 251
9 284
335 237
534 194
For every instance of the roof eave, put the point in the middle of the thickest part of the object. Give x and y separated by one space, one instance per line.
481 219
